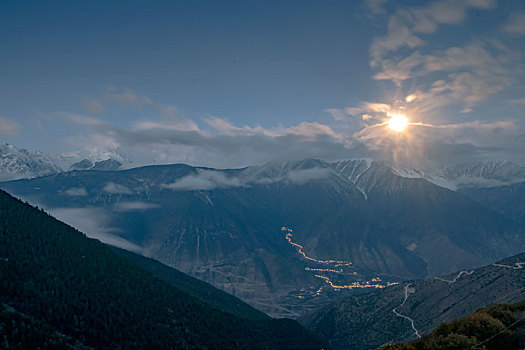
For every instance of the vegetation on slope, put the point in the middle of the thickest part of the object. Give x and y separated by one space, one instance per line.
82 289
197 288
497 327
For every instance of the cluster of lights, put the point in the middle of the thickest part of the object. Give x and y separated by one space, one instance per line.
373 283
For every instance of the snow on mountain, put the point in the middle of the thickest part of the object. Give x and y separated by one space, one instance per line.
19 163
478 175
466 175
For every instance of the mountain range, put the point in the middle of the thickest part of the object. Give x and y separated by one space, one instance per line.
286 237
19 163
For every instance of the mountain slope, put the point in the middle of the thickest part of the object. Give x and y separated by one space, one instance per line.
84 290
197 288
497 327
396 313
440 226
347 226
507 200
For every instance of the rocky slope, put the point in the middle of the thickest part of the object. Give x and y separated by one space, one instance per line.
407 311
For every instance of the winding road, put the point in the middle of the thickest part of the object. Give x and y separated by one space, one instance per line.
456 278
394 310
517 266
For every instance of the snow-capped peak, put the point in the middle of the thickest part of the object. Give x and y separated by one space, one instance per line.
18 163
480 174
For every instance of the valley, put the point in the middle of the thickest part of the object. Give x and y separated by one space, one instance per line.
341 271
262 175
285 237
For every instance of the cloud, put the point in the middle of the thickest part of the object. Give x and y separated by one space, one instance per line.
207 180
204 180
468 73
306 175
368 107
129 100
520 101
76 191
9 127
461 74
221 145
407 23
425 145
93 107
126 98
112 187
516 24
134 206
95 223
376 6
185 125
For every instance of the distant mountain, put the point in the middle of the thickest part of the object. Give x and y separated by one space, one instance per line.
61 289
507 200
86 164
478 175
409 310
285 237
19 163
496 327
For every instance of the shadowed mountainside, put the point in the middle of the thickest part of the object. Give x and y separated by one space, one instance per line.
80 288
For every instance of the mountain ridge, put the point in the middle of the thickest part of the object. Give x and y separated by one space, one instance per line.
224 226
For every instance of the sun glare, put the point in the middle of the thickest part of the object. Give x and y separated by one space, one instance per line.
398 122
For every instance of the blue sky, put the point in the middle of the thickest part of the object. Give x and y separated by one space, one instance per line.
234 83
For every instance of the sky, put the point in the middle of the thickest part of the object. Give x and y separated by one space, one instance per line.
237 83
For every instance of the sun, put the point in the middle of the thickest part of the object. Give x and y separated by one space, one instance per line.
397 122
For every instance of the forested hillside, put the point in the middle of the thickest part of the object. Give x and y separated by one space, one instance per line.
493 328
67 284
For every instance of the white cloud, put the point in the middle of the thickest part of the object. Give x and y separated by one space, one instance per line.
467 73
95 223
376 6
112 187
407 23
425 145
76 192
93 107
516 24
126 98
204 180
306 175
520 101
134 206
9 127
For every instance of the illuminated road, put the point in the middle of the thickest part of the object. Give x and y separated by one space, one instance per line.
300 249
338 268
